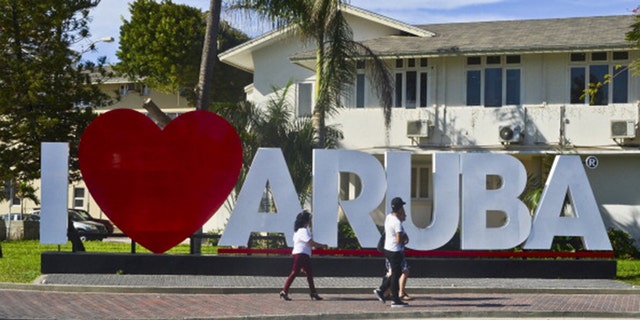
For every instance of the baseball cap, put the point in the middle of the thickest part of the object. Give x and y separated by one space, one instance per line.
397 203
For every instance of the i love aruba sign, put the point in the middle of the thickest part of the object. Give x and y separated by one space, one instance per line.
160 185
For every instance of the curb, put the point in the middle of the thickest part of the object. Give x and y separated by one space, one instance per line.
39 286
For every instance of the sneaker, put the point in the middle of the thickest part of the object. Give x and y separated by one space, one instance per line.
399 304
379 295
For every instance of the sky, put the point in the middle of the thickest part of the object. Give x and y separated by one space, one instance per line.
107 16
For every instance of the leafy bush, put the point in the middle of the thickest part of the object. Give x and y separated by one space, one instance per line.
346 237
622 243
269 240
213 237
567 244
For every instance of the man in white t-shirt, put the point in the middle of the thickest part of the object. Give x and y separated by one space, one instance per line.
395 240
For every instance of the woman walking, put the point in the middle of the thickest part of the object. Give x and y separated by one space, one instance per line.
302 244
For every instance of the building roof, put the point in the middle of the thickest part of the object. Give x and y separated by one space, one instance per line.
240 56
109 76
506 37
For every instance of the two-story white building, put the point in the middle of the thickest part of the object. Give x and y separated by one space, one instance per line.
513 87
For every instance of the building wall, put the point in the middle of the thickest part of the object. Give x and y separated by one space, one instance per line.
276 69
545 115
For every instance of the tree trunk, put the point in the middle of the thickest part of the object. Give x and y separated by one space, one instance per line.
205 80
319 110
209 52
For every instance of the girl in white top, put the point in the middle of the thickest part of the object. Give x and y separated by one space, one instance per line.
302 244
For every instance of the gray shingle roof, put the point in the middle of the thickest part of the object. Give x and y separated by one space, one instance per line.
517 36
591 33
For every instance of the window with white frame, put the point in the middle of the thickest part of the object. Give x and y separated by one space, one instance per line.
420 182
82 104
305 99
493 81
125 88
411 83
78 197
145 90
15 201
599 66
360 88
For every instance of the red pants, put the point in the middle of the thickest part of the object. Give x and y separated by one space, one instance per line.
301 262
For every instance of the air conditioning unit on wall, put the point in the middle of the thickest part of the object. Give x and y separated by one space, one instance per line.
510 134
417 128
621 129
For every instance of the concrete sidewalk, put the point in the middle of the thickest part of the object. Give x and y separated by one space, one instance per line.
254 284
79 296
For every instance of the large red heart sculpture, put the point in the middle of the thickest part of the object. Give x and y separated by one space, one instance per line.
159 186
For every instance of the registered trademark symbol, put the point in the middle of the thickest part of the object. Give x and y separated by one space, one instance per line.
591 162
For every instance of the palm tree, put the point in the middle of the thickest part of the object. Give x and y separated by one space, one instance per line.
25 190
322 22
209 52
276 126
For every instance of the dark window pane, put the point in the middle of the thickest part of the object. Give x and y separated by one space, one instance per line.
304 99
360 64
424 62
423 89
513 87
599 56
398 90
78 192
411 63
474 61
412 86
473 87
621 86
399 63
360 91
578 57
493 87
577 85
424 183
621 55
513 59
414 182
493 60
597 74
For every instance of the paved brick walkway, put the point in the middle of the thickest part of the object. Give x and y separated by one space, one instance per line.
64 296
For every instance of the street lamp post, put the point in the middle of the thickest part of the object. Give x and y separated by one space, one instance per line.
91 47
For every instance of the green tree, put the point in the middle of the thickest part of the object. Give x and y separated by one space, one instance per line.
25 190
162 45
633 36
41 82
322 23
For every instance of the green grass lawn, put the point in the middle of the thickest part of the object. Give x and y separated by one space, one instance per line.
20 262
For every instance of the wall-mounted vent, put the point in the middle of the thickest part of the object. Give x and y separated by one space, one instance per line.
621 129
417 128
510 134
